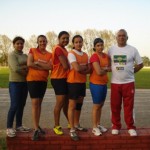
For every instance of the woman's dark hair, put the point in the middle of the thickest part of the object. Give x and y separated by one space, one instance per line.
18 38
41 36
76 36
98 40
62 33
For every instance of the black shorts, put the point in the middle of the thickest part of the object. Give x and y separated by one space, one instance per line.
76 90
60 86
37 89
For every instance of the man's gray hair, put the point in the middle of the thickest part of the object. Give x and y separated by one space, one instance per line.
122 30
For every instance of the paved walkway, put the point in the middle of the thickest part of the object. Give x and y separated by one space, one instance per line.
142 110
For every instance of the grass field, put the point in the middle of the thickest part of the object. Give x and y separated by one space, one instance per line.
3 145
142 79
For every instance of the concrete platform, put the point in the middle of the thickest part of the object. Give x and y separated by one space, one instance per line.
87 141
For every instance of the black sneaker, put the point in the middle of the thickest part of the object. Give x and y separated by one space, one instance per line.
79 128
41 131
74 135
35 135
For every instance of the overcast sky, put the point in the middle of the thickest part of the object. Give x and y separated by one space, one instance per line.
28 17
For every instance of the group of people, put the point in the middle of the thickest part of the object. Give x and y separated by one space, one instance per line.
68 72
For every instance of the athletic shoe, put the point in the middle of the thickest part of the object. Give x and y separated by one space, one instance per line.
11 132
115 132
102 129
96 131
35 135
74 135
23 129
41 131
58 130
79 128
132 132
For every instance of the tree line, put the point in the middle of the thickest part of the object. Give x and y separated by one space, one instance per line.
88 35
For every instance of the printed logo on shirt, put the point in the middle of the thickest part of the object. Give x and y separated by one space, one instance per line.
120 59
119 68
42 61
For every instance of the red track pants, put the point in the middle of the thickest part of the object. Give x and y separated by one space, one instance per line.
122 93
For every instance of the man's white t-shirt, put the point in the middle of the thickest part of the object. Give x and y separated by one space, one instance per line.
122 63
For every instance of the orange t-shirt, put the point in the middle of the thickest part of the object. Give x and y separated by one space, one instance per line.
103 62
74 76
58 71
39 75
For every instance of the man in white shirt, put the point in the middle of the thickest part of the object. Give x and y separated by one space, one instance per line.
125 61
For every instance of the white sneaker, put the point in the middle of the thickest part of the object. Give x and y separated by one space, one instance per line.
102 129
23 129
96 131
11 132
132 132
115 132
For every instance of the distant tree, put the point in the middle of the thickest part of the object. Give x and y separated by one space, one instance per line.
108 37
90 34
52 40
146 61
70 46
5 46
31 43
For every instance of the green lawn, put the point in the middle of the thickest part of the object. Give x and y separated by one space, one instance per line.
142 79
3 145
4 72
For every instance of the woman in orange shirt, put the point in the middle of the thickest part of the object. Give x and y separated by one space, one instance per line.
39 63
98 83
59 78
79 67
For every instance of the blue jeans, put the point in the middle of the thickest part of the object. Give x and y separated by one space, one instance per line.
18 94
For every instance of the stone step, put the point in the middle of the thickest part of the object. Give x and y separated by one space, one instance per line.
87 141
